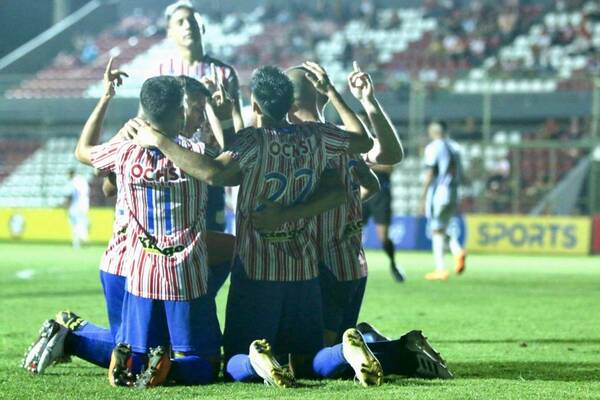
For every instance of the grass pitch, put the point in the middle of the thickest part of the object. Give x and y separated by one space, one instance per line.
511 328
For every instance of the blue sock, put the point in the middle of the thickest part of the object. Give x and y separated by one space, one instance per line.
387 352
191 370
91 343
240 369
330 362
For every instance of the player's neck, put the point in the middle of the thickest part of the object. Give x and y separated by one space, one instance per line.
193 54
265 122
306 115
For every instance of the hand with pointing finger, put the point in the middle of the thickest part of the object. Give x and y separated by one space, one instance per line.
361 84
112 78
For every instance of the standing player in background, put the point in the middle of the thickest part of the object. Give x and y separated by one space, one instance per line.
79 206
186 33
379 207
439 199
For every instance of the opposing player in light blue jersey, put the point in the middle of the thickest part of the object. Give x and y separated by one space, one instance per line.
440 197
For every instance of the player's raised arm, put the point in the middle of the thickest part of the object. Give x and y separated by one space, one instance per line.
220 109
369 183
233 88
319 78
389 149
93 127
329 194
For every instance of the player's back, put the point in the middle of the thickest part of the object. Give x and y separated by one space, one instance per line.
444 157
283 165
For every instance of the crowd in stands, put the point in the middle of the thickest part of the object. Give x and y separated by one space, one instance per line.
467 34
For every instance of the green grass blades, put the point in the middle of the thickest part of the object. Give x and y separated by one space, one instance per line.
511 327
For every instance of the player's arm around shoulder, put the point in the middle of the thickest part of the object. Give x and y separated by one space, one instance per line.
329 193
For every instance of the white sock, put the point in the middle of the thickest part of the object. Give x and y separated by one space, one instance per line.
437 244
455 246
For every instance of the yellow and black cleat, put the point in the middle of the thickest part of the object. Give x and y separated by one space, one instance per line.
70 320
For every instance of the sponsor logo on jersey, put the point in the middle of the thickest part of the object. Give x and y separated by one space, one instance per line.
151 247
155 175
292 150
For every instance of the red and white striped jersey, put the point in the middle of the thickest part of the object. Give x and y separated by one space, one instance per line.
112 260
283 165
339 230
166 252
175 65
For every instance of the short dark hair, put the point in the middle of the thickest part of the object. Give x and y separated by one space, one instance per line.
161 97
193 86
273 91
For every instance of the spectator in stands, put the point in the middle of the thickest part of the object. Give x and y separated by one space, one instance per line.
87 49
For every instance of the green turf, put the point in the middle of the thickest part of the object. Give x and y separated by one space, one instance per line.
511 328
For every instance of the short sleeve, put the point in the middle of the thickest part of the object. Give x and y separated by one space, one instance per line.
336 141
104 156
431 155
245 148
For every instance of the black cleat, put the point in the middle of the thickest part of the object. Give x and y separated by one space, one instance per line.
397 273
418 359
119 370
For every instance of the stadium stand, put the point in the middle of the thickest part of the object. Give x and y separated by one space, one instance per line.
470 47
546 58
40 178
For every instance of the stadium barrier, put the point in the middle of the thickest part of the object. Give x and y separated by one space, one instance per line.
528 234
482 233
596 235
52 225
409 233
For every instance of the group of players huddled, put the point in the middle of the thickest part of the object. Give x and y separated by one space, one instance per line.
298 269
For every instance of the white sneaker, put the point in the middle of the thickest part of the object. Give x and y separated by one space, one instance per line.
267 367
365 365
47 349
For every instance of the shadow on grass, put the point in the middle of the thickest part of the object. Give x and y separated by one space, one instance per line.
523 370
528 341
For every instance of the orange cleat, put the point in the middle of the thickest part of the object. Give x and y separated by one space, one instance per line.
459 262
159 366
437 275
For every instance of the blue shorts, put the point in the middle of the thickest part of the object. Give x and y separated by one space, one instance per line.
114 290
341 301
287 314
217 275
215 209
189 327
